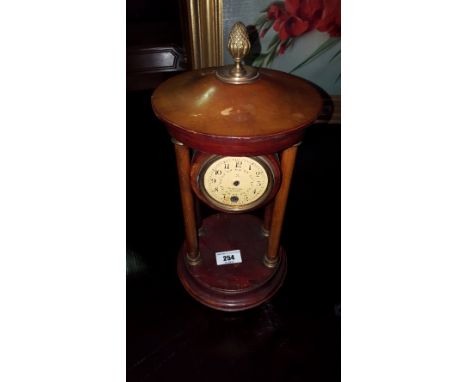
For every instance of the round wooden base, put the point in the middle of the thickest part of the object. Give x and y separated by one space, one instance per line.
231 287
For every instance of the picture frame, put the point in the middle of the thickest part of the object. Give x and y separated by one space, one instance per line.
205 32
208 23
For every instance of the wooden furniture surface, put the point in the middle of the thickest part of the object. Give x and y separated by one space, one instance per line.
149 65
237 286
155 59
265 116
235 111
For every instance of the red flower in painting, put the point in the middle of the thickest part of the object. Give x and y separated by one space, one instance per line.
307 10
296 18
275 11
290 26
293 18
330 20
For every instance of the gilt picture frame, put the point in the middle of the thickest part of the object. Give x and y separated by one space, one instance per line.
205 32
314 55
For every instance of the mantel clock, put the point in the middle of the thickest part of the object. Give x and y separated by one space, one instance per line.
235 131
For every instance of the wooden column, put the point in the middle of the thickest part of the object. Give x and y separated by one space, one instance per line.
267 219
288 158
183 167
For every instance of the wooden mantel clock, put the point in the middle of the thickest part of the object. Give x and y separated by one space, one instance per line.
235 131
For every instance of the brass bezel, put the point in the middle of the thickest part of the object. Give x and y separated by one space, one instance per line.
261 160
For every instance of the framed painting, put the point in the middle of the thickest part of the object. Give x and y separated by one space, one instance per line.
300 37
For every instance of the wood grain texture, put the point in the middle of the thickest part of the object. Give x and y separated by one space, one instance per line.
183 167
261 117
288 158
268 213
232 287
236 146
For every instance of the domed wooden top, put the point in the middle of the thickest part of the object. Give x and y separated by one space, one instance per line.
199 108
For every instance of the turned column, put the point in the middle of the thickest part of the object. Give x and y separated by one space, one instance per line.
183 168
288 158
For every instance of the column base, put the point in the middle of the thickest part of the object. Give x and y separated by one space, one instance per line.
232 287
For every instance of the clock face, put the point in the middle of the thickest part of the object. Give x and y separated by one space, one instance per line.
236 183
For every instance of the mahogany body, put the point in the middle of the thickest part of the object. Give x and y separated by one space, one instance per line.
231 287
264 117
206 116
235 146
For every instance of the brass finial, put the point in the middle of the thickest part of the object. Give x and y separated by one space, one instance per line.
238 46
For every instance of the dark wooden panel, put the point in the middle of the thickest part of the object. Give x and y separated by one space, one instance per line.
148 66
155 59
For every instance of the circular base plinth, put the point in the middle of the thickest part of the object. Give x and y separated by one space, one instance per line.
231 287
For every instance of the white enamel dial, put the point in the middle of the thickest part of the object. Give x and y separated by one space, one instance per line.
236 183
